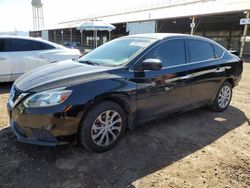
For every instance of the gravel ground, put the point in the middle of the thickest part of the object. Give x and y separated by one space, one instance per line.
199 148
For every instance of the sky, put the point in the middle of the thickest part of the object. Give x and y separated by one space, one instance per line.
17 14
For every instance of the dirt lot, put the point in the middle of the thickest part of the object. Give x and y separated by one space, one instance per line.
196 149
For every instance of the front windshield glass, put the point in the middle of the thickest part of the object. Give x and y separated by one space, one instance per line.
116 52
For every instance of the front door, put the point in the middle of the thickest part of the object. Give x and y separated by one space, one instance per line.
25 55
167 90
4 61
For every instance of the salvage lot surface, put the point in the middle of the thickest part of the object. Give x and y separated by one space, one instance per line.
199 148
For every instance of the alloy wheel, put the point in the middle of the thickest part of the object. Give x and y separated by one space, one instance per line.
106 128
224 96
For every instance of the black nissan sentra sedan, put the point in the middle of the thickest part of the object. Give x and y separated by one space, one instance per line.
120 85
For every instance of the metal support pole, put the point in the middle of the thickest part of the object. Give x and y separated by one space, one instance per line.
156 26
62 36
81 38
42 18
37 17
95 38
70 30
33 11
109 35
192 25
244 36
54 36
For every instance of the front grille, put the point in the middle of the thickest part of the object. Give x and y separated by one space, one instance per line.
17 93
43 135
19 130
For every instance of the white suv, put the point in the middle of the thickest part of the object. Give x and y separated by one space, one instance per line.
21 54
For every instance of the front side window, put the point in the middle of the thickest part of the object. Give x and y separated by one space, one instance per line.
170 53
28 45
200 51
117 52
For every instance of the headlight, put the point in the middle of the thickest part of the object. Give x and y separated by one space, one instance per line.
47 98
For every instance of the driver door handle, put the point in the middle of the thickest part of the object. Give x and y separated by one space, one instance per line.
186 77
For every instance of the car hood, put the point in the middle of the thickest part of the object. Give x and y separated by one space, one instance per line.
61 74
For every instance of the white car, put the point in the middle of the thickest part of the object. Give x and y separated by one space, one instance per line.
19 55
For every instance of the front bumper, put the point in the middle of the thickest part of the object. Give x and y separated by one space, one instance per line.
38 137
42 127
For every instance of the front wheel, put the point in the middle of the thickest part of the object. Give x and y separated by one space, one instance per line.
102 127
223 97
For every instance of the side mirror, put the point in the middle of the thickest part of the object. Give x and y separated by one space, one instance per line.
150 64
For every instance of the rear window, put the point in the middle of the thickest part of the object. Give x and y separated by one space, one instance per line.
45 46
200 51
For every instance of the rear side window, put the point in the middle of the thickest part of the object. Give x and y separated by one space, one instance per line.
2 45
218 51
28 45
200 51
170 52
45 46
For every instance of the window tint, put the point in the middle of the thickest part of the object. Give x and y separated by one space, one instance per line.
45 46
218 51
171 53
200 51
28 45
117 52
2 45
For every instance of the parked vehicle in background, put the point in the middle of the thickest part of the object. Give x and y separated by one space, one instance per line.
74 45
121 84
19 55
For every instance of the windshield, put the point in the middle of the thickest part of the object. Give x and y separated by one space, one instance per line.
116 52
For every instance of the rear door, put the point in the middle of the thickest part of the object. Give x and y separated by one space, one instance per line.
205 71
167 90
5 70
25 55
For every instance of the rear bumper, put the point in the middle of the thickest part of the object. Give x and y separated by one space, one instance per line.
237 80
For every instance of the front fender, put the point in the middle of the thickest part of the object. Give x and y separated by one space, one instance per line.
90 92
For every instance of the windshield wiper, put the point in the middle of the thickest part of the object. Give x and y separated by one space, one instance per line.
89 62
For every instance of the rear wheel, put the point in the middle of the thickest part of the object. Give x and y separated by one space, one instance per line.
223 97
102 127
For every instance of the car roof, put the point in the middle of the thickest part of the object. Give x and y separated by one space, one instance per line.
161 36
153 35
30 38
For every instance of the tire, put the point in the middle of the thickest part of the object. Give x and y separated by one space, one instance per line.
95 130
225 92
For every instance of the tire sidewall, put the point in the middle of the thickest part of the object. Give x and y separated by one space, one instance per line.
226 83
87 123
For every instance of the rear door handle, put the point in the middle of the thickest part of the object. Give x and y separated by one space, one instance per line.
220 70
186 77
2 58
